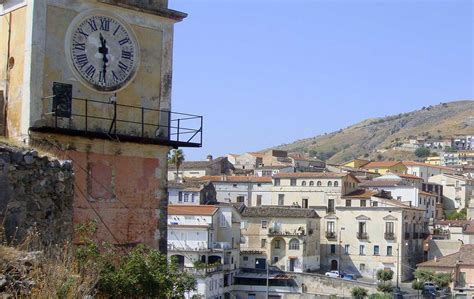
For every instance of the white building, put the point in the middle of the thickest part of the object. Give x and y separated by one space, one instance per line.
205 241
457 190
425 171
191 192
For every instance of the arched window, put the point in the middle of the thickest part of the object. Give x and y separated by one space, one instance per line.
329 184
294 244
336 183
303 183
319 183
311 183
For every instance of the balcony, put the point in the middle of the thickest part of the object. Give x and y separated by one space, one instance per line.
221 246
362 235
274 233
110 120
330 235
416 235
390 236
202 271
407 235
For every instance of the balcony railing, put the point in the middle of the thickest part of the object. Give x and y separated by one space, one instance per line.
110 120
407 235
204 270
362 235
416 235
330 235
390 236
272 232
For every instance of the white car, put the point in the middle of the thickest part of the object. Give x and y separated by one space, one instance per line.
333 273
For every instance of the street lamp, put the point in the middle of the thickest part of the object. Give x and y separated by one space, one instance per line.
398 264
268 274
340 249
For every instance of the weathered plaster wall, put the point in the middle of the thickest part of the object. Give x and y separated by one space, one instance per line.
36 193
122 185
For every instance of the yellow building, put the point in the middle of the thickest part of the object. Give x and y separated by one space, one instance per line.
433 160
382 167
357 163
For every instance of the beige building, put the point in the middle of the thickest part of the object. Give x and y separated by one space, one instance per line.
287 238
457 190
368 233
424 170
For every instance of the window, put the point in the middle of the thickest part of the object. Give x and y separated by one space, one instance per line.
246 258
193 197
330 227
361 249
362 227
276 182
240 198
259 200
399 198
362 267
180 196
234 185
462 279
375 203
376 250
311 183
186 197
389 251
222 221
275 259
318 183
363 203
244 224
419 200
336 183
263 243
251 296
259 184
329 184
292 182
294 244
304 203
346 249
281 199
331 205
277 244
348 202
264 224
389 227
333 248
303 183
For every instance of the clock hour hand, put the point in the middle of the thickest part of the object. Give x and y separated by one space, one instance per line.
104 51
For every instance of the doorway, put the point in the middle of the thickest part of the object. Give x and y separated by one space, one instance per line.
292 265
334 265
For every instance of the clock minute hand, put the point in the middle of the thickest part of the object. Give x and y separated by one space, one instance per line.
104 51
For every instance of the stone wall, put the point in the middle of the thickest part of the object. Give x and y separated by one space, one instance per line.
36 194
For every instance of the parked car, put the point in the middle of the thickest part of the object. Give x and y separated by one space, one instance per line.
333 274
349 277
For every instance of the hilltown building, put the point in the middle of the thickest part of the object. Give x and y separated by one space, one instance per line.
457 190
191 193
113 121
194 169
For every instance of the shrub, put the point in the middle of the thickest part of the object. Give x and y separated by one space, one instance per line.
384 274
422 152
359 292
380 296
417 285
385 287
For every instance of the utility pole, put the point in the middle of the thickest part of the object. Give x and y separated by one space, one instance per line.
398 265
268 275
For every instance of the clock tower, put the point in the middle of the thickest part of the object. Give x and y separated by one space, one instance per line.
90 81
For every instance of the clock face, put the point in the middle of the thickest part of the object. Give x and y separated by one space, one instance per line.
102 50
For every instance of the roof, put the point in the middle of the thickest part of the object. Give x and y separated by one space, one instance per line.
185 184
454 223
415 163
465 256
379 183
366 194
409 176
425 193
207 210
381 164
360 160
197 164
274 211
256 154
233 179
314 175
298 157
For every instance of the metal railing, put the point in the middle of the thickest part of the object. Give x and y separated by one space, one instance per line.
330 235
362 235
390 236
100 119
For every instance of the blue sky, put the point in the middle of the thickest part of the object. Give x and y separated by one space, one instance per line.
263 72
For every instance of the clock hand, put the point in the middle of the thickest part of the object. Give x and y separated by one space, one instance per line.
104 51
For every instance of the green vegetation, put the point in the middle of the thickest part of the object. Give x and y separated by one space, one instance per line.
422 152
176 157
359 293
380 296
384 274
461 215
385 287
441 279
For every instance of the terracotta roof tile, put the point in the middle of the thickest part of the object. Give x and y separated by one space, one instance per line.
313 175
233 179
191 210
465 256
277 211
426 193
409 176
376 164
415 163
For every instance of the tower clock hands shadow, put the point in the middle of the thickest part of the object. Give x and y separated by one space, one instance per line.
104 51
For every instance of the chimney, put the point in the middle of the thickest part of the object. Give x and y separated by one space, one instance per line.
209 158
436 259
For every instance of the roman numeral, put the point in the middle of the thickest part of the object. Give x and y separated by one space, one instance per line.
102 77
126 55
123 66
90 71
93 25
115 76
81 31
124 41
116 30
79 46
104 24
82 60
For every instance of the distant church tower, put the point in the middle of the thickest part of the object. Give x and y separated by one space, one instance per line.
90 80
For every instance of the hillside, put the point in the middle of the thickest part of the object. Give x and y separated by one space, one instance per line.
383 134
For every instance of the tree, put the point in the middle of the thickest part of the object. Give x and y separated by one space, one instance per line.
461 215
176 158
443 279
385 287
359 292
380 296
422 152
384 274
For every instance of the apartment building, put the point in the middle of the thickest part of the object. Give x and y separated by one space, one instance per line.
284 237
369 232
250 190
205 241
191 192
248 161
457 190
447 236
466 157
450 158
193 169
383 167
425 171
